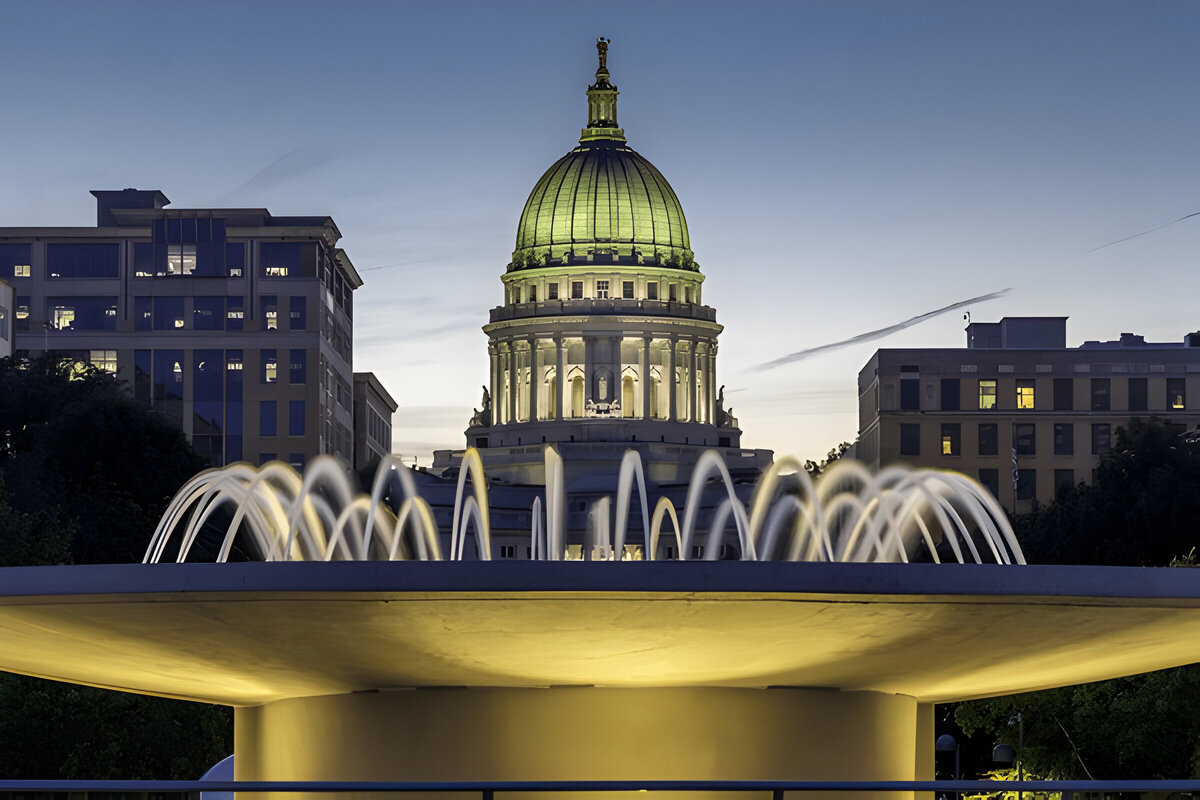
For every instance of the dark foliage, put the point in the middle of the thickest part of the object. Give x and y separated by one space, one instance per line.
85 474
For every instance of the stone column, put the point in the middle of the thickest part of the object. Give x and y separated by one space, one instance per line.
644 377
691 415
512 380
589 370
560 389
535 383
493 387
712 382
672 404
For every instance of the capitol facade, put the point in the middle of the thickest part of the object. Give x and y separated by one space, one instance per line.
603 342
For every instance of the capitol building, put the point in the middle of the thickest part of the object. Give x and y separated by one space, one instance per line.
603 342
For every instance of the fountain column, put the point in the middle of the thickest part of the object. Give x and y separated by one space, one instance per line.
559 388
672 405
534 379
644 375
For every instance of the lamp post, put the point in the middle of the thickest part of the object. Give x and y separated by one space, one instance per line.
1004 755
946 744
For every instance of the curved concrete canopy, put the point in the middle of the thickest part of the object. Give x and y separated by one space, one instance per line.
246 634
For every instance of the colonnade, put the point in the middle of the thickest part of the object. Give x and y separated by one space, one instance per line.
605 375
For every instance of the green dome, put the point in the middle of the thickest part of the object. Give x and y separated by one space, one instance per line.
602 198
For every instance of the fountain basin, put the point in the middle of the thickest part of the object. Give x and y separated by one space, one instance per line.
555 670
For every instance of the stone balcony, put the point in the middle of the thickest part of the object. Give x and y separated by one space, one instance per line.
610 307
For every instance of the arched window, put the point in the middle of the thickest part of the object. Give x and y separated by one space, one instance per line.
628 393
577 396
551 407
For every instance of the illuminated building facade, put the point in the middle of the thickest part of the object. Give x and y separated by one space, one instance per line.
1017 409
603 342
234 323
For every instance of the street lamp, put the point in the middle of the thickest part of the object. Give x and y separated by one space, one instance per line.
947 744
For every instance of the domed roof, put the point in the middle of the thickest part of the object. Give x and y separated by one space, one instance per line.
602 198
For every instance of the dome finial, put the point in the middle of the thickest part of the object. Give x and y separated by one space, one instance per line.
602 102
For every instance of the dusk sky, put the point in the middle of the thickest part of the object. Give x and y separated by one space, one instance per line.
843 165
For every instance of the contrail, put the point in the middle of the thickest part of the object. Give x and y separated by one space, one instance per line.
877 334
1143 233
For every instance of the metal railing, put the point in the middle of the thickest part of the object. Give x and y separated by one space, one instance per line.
488 789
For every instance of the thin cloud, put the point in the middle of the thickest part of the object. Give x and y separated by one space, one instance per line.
1143 233
869 336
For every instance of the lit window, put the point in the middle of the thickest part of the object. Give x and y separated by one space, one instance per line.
951 435
63 317
987 395
181 259
179 322
104 359
20 270
602 290
1025 395
1176 394
652 290
23 311
276 272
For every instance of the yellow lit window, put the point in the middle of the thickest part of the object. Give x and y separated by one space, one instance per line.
104 359
987 395
21 271
178 322
276 272
947 446
64 317
1176 401
271 370
272 320
1025 395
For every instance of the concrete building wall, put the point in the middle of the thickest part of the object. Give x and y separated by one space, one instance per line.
373 410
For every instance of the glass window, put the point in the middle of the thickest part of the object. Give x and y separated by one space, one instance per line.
1064 394
81 313
208 313
1024 441
21 313
687 294
989 436
14 260
910 394
268 418
143 313
1101 438
627 290
576 290
1100 394
1176 394
533 293
602 290
950 394
298 313
951 439
296 461
270 366
1064 439
652 290
235 259
1138 396
551 291
86 260
1026 484
141 376
270 312
297 366
181 258
103 359
143 260
987 394
295 418
235 313
1025 394
285 259
672 292
1064 479
168 313
233 405
263 458
910 439
990 480
167 389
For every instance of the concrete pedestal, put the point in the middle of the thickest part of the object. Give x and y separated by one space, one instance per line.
586 733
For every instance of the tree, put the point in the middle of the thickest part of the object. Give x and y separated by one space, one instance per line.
1142 509
85 474
814 468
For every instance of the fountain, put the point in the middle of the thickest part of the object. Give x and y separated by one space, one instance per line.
372 647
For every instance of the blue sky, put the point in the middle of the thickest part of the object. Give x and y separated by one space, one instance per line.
843 165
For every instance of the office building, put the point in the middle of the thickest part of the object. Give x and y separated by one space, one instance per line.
1016 408
235 323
